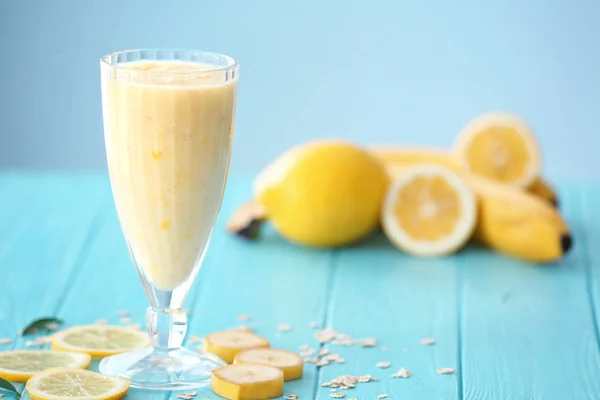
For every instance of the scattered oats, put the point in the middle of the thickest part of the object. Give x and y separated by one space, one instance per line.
313 325
307 352
331 357
342 339
304 347
365 378
135 327
195 339
402 373
344 342
384 348
337 395
284 327
311 360
323 352
369 342
446 371
126 321
333 390
52 326
44 339
352 398
428 341
102 322
39 341
187 396
1 395
383 364
243 317
291 397
244 328
340 360
123 314
5 341
322 363
345 382
326 335
383 396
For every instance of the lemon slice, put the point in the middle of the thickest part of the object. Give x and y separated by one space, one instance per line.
500 147
74 383
20 365
100 340
429 211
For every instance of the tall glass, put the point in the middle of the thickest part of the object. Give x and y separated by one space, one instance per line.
168 127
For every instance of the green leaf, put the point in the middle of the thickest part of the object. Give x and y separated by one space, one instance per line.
6 385
40 325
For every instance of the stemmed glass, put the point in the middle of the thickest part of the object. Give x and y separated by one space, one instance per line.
168 126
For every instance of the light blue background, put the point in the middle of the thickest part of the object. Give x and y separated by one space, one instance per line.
409 72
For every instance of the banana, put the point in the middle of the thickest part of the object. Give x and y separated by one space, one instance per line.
407 157
247 220
543 190
514 222
247 382
289 362
519 224
226 344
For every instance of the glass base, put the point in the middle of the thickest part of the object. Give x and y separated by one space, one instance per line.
154 369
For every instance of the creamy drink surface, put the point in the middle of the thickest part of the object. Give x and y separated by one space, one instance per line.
168 138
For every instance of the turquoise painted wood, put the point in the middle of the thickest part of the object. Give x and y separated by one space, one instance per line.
528 331
511 330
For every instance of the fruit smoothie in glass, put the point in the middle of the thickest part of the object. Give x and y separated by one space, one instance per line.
168 152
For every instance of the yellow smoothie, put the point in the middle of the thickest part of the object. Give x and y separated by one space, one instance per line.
169 128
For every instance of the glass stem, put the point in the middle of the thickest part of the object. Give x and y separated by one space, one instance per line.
166 327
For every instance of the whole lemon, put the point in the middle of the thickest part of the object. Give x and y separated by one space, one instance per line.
324 193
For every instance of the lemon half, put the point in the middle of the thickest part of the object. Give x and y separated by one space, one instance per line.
500 147
429 211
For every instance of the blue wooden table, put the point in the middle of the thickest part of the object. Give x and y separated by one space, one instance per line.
511 330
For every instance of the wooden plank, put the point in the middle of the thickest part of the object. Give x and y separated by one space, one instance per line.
587 234
48 222
527 330
271 280
378 292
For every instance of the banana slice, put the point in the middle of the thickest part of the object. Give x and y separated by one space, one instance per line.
289 362
227 344
247 382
